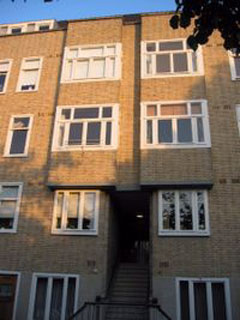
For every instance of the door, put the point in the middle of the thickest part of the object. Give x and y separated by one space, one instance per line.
7 296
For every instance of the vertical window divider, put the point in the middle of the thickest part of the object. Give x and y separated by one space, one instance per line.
84 134
174 129
80 201
194 210
177 210
64 211
160 208
209 301
191 300
48 298
194 130
64 298
81 208
154 131
171 62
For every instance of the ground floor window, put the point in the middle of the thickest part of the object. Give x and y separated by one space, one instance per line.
203 299
53 297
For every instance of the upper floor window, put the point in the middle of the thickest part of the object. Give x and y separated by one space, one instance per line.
90 127
30 74
5 66
238 116
10 195
92 63
234 60
76 212
170 58
175 124
183 212
18 136
16 30
33 26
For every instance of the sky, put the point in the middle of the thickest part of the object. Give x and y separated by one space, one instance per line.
17 11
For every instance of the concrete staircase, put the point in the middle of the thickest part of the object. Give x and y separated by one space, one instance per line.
129 288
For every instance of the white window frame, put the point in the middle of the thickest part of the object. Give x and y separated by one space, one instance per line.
24 26
50 277
208 282
234 75
178 232
144 53
238 116
9 61
175 144
117 55
22 69
10 135
18 274
101 146
63 230
18 203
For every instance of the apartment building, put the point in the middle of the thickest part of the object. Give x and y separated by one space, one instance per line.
119 146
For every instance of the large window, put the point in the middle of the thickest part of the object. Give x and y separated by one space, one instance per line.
10 196
234 65
5 66
76 212
183 212
30 74
170 58
203 299
53 296
18 136
175 124
92 63
86 127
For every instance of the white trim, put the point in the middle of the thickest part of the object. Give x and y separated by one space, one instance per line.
191 73
175 144
9 61
18 203
24 26
115 128
208 282
10 135
231 58
238 116
50 277
18 89
63 229
178 232
18 274
117 68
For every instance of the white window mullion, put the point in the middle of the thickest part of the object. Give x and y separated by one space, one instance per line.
66 133
154 131
174 130
84 133
103 132
80 222
194 211
177 210
64 211
209 301
171 62
64 298
194 130
189 61
191 300
48 298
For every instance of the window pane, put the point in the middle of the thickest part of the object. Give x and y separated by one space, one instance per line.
97 68
16 30
19 123
151 110
69 70
149 60
168 210
18 142
200 130
149 131
81 69
90 52
75 134
219 302
59 210
56 300
194 62
170 46
107 112
9 192
108 133
32 64
40 299
7 208
31 27
6 223
185 204
3 76
29 79
65 114
70 297
73 53
184 300
180 63
111 67
86 113
200 298
173 109
89 210
93 133
237 66
163 63
184 130
201 211
111 50
44 27
61 134
151 47
3 30
165 134
73 209
196 108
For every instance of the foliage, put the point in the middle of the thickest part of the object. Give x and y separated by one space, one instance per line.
207 16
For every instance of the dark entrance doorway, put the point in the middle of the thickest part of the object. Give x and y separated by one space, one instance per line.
7 296
133 216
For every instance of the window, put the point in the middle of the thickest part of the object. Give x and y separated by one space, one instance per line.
88 63
30 74
234 61
10 195
76 212
203 299
170 58
175 124
53 296
44 27
31 27
3 30
5 66
238 116
16 30
183 212
18 136
88 127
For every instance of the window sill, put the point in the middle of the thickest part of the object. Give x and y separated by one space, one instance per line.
2 92
15 156
8 231
85 149
155 76
26 91
184 234
74 233
90 80
176 146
